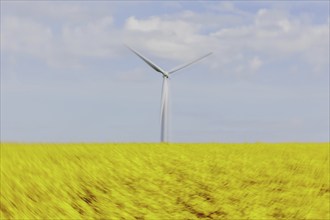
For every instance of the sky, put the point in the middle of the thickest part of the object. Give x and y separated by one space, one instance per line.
66 76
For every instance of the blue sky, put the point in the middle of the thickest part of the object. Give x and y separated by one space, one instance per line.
66 77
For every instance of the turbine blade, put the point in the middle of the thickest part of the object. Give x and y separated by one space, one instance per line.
188 64
149 62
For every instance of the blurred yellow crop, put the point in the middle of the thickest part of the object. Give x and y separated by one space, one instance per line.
164 181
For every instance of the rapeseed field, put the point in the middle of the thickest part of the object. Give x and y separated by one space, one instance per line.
165 181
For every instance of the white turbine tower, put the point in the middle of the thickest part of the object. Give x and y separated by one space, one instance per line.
165 92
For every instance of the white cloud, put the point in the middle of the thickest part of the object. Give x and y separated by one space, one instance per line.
149 25
278 35
25 36
65 48
47 11
174 39
91 39
234 37
272 34
285 25
255 63
174 28
227 7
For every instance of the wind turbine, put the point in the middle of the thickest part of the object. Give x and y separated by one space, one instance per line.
165 91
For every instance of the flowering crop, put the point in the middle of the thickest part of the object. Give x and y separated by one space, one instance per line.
165 181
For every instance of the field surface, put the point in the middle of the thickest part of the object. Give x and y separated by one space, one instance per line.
164 181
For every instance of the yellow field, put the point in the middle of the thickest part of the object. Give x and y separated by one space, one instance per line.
165 181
